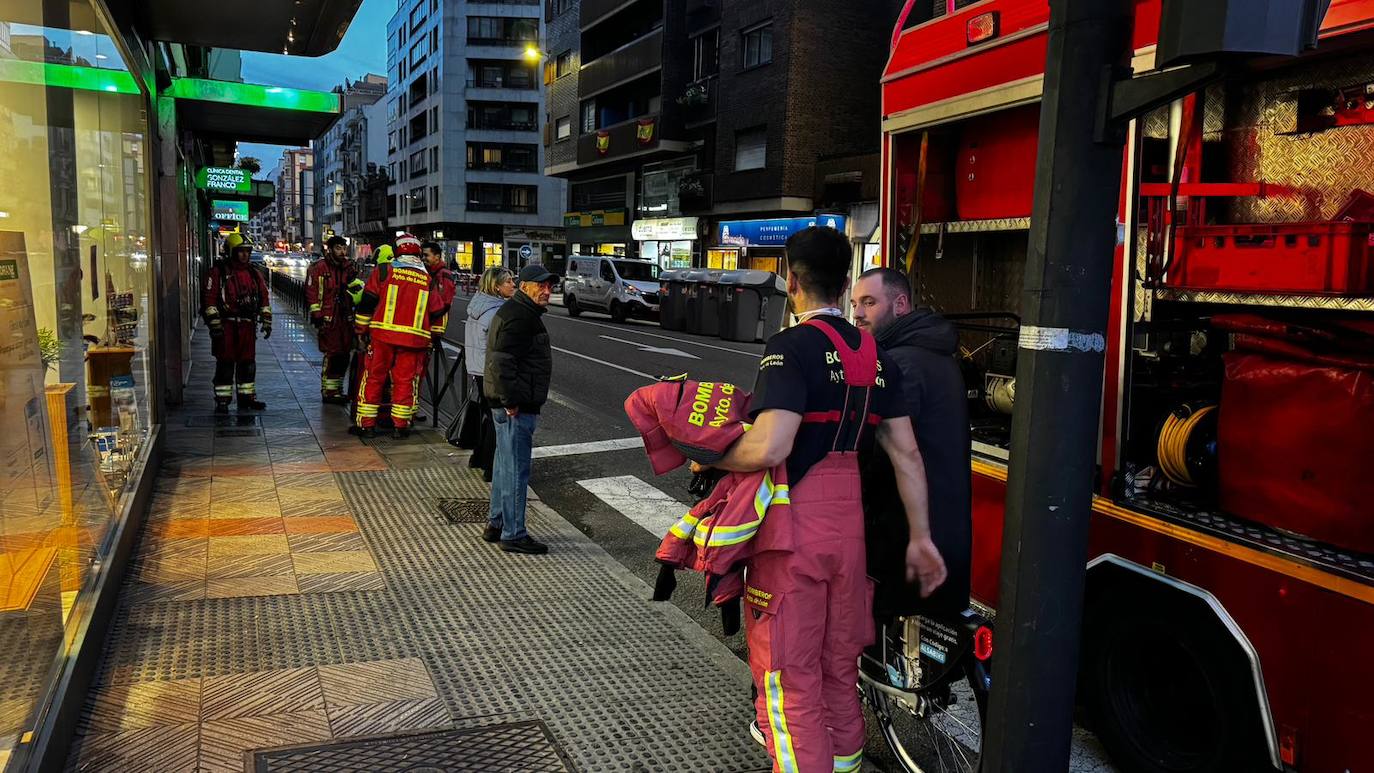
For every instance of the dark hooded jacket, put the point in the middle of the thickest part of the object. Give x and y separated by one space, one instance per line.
923 344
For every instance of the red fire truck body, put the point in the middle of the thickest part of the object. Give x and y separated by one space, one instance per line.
1275 618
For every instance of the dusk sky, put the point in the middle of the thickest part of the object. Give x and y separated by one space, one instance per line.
363 50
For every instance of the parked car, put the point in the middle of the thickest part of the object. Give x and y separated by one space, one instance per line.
620 287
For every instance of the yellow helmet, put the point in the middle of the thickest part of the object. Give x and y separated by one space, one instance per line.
384 254
235 241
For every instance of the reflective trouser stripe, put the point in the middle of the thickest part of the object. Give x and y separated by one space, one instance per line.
365 410
777 722
248 388
849 763
224 391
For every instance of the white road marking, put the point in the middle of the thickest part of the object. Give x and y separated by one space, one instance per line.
637 331
639 373
654 349
638 501
593 447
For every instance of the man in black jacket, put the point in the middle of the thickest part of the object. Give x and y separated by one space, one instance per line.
923 344
516 382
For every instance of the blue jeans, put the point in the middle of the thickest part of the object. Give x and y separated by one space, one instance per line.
510 475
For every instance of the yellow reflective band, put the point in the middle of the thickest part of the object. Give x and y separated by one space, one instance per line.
220 390
683 529
315 307
850 763
320 294
777 722
248 387
420 306
389 308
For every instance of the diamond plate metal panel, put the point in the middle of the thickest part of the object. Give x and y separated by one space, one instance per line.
520 747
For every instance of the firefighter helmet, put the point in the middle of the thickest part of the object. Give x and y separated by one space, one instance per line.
384 254
237 241
407 245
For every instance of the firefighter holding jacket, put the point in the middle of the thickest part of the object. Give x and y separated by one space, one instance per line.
329 288
398 314
235 301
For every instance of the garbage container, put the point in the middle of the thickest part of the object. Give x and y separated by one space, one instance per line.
672 301
753 306
703 301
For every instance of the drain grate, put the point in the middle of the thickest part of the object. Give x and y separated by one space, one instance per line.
456 511
518 747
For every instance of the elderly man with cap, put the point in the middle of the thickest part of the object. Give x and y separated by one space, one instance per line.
516 382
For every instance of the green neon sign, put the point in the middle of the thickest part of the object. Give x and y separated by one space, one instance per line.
253 95
216 178
67 76
232 211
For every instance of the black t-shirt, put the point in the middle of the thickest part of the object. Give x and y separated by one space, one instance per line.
796 375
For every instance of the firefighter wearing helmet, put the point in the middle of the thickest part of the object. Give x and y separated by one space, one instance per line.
236 301
330 286
397 314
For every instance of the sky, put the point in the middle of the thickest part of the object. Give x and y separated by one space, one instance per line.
363 50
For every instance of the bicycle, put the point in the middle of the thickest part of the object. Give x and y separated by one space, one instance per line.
926 680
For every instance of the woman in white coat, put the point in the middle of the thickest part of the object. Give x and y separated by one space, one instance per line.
496 286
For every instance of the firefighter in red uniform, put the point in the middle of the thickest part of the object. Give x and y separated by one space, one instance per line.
822 391
442 283
398 311
235 301
328 285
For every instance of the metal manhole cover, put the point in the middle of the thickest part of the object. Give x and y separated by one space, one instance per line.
458 511
518 747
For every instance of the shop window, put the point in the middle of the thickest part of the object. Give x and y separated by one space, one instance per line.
76 373
751 149
758 46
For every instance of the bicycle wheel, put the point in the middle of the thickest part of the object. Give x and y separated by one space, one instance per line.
929 693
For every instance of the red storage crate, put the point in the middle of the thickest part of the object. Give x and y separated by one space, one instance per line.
1310 258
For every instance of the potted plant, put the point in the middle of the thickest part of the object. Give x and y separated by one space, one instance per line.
49 348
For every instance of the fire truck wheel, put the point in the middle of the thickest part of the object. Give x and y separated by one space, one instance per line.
1167 690
573 309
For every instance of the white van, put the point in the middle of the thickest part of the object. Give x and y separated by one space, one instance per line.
620 287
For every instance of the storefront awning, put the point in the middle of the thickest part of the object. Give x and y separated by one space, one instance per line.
248 112
297 27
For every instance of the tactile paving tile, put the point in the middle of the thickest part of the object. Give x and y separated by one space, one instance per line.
456 511
523 747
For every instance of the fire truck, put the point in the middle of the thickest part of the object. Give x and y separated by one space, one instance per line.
1229 616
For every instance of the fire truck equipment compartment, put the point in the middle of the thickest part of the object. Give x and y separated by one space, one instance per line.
1309 258
994 173
1295 445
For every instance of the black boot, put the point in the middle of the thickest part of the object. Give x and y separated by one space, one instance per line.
401 433
221 407
368 433
251 403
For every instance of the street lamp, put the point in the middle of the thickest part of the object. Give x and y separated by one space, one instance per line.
532 53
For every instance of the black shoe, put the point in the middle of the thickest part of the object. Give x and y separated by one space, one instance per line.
491 534
251 404
368 433
334 400
222 409
419 418
525 544
400 433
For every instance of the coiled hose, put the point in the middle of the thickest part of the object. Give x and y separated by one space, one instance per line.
1172 448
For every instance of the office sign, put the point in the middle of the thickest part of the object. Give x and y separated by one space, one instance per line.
667 229
234 211
773 232
215 178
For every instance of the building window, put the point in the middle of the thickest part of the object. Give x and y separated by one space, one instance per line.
706 54
751 149
496 29
418 202
417 17
418 52
564 128
434 196
434 158
434 118
559 7
417 163
491 197
563 64
758 45
589 116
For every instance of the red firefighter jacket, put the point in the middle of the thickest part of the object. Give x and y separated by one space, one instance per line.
326 290
701 420
442 284
236 292
400 305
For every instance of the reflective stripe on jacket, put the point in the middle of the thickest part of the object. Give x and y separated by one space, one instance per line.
399 306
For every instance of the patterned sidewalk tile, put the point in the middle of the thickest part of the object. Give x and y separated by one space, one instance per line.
239 527
392 717
262 565
325 524
325 543
353 684
334 563
120 708
241 587
267 507
340 583
252 545
161 748
282 691
224 744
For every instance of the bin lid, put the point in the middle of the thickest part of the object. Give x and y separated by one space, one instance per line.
673 275
759 280
694 275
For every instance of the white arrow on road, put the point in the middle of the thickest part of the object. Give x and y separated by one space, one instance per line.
654 349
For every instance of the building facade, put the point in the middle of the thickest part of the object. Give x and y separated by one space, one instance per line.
296 199
465 110
341 158
704 133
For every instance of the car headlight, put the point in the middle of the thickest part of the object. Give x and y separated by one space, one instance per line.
631 289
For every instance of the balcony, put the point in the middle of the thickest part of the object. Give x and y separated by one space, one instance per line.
593 11
622 140
635 58
699 100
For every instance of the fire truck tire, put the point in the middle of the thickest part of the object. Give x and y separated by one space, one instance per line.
1166 689
573 309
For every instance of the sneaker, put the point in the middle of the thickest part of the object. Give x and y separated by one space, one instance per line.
491 534
525 544
757 733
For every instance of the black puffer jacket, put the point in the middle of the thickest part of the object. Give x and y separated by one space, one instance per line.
519 359
923 344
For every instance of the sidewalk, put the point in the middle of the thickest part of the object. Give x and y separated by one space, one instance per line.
294 588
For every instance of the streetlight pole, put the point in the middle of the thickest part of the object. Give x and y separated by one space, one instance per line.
1059 390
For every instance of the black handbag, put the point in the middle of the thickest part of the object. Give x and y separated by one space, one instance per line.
466 428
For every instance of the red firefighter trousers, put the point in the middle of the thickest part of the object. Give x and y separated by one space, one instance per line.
807 619
404 366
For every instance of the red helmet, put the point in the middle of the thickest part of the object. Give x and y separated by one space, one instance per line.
407 244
